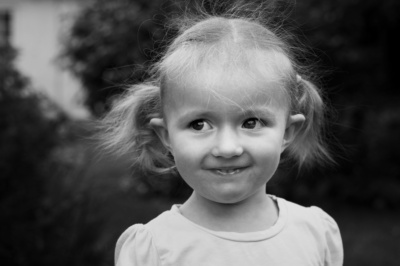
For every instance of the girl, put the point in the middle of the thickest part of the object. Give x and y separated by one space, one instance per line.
226 102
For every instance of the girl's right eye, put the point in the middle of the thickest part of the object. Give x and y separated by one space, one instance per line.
200 125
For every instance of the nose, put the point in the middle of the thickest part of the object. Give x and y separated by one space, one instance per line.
227 144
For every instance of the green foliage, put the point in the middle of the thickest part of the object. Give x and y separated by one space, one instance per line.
356 44
23 127
357 40
44 221
110 44
23 150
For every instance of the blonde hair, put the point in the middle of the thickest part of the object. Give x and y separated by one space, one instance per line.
206 36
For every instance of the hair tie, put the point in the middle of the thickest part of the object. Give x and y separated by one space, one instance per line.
298 78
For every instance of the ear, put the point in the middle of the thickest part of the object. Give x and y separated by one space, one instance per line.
293 126
159 126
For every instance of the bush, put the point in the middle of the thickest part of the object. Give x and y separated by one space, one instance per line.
109 45
45 221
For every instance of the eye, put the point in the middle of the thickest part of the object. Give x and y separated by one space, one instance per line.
253 123
200 125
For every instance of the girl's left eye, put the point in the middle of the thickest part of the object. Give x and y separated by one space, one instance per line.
253 123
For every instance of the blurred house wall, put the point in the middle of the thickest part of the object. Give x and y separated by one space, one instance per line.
37 29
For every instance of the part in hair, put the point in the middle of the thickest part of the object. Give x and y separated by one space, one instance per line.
212 38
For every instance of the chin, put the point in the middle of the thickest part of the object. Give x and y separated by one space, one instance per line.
229 198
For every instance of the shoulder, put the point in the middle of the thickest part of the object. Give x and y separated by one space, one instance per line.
135 247
310 216
140 243
320 225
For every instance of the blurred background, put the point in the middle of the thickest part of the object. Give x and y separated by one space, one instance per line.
63 61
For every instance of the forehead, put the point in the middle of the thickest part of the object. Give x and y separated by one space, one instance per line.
233 84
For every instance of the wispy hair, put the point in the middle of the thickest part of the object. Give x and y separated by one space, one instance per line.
232 35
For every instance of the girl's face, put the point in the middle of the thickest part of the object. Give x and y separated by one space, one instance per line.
226 136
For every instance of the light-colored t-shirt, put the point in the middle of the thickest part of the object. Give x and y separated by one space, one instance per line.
300 237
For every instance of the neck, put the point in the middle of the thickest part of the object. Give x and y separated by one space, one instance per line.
256 213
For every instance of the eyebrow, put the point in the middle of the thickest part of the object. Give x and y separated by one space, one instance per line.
195 113
256 112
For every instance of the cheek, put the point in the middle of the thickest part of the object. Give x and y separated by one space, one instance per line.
267 153
268 160
187 151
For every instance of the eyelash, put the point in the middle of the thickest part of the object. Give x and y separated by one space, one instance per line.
261 122
204 123
193 124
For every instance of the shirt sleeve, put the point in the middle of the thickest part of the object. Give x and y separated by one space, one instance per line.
334 245
135 247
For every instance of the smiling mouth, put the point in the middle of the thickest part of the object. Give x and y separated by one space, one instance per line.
228 171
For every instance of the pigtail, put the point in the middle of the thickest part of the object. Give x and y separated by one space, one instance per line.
207 34
126 133
308 147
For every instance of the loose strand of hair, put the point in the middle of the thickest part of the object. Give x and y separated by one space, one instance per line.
125 131
309 146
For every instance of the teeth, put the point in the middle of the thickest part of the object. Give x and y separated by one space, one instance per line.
228 171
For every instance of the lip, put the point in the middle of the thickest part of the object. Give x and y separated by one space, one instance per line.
228 171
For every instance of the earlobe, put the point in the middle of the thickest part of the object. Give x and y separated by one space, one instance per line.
293 126
159 126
